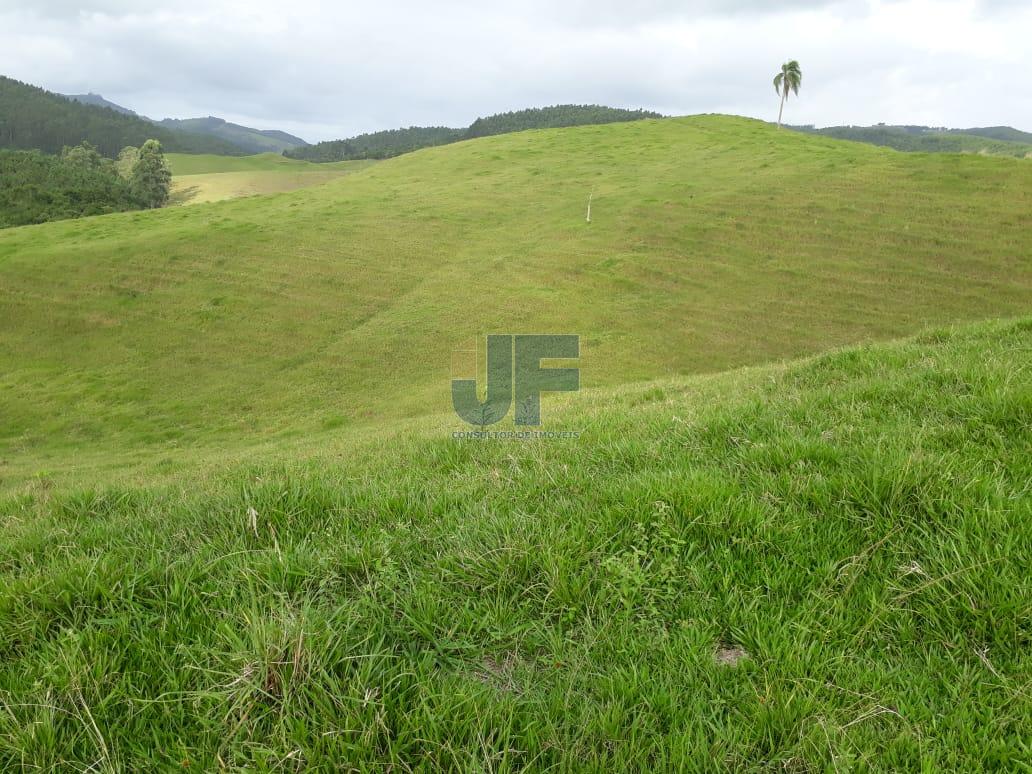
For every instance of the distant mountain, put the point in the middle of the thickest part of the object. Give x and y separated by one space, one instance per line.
393 142
243 137
32 118
997 141
99 101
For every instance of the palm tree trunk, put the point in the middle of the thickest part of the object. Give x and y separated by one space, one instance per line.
781 111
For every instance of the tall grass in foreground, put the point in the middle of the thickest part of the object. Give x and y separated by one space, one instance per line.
822 566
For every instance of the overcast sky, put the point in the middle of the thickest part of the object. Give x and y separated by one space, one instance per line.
324 70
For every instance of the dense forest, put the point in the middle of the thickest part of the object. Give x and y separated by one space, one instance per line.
992 140
552 117
35 119
38 187
377 145
382 145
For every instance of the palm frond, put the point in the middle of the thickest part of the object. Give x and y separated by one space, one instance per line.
789 79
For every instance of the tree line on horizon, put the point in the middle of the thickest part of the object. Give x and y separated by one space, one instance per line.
394 142
996 141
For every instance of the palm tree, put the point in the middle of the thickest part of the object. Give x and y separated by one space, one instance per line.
789 79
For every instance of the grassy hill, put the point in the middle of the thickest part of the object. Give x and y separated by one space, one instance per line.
143 343
813 566
236 532
201 178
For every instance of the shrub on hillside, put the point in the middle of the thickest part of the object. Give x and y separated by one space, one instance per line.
39 187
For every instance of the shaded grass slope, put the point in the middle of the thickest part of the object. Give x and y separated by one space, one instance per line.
814 566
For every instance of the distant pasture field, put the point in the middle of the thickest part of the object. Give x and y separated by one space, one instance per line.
200 178
206 163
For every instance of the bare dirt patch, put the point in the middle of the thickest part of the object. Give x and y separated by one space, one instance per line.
729 655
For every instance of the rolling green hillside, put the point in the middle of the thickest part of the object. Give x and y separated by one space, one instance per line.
142 342
237 533
820 566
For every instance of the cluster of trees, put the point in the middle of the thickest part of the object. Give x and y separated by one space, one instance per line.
35 119
382 145
39 187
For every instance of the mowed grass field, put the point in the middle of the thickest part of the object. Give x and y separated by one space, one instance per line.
815 566
201 178
139 344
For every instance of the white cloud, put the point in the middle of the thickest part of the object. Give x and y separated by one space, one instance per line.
326 70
